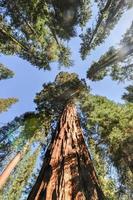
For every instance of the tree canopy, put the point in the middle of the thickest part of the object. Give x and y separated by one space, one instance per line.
36 30
54 96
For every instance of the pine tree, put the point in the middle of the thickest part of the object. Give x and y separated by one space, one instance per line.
30 128
112 137
116 62
17 180
128 96
109 13
6 73
115 122
6 173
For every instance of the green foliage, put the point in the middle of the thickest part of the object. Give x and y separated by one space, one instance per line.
35 127
107 183
5 72
115 62
6 103
128 96
54 96
114 136
109 13
32 123
35 30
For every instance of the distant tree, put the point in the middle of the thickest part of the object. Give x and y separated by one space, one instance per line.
128 96
6 103
5 72
109 13
117 62
9 168
20 176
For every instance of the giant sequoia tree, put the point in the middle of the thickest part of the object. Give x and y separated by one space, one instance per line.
69 147
67 167
67 171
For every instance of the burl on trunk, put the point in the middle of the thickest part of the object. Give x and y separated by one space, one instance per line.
67 172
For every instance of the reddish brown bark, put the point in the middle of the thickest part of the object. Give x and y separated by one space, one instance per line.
67 172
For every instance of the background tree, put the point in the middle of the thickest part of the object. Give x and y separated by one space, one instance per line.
5 72
109 13
117 62
21 152
18 179
111 125
6 103
128 96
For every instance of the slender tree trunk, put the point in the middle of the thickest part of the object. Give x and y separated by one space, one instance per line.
11 166
67 172
6 173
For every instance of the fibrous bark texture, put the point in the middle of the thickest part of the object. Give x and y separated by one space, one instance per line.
67 172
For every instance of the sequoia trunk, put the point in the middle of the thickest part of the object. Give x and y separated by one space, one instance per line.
67 172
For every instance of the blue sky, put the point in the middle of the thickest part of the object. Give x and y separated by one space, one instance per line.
28 79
